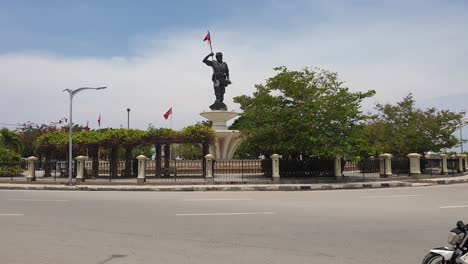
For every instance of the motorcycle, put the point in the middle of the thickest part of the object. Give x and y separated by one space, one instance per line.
456 253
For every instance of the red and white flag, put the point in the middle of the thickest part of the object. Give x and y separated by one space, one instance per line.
207 37
168 113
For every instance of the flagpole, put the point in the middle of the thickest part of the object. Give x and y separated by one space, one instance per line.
170 146
211 48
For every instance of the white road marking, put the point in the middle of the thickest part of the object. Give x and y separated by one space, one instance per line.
391 196
218 199
221 214
453 206
11 214
36 200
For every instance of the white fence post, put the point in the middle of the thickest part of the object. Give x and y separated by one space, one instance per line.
443 158
209 168
337 166
141 169
31 176
385 165
80 169
415 165
460 163
275 167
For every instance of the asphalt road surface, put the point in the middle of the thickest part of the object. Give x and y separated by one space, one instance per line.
355 226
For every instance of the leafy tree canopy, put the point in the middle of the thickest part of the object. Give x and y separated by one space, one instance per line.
402 128
309 112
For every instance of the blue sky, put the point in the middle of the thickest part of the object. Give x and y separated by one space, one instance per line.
149 53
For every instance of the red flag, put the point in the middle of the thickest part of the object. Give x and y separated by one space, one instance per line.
168 113
207 37
99 120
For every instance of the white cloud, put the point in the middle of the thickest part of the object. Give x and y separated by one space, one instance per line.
390 57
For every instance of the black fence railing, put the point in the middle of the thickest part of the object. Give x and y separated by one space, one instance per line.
452 166
12 169
430 166
226 171
190 171
361 169
400 166
242 171
306 168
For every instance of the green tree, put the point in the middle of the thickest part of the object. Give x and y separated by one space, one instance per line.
10 140
402 128
308 112
9 162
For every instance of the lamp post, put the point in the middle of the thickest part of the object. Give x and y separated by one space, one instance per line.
462 113
128 118
70 123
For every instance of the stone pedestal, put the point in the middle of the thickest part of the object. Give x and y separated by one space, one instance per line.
443 159
337 166
141 178
385 165
275 167
461 160
80 170
226 141
415 165
31 175
209 168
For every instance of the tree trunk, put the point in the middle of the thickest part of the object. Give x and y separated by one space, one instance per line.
128 161
95 157
205 151
167 160
47 165
113 161
157 157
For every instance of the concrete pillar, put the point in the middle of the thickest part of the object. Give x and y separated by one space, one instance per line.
443 166
463 162
275 167
337 166
141 169
415 165
385 165
466 163
31 176
209 168
460 158
80 169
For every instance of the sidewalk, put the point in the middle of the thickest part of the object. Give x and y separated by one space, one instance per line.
240 187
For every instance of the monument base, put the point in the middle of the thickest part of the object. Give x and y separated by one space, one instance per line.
227 140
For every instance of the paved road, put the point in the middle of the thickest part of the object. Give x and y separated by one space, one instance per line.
354 226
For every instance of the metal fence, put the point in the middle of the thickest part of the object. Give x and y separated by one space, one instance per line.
190 171
361 169
242 171
226 171
309 168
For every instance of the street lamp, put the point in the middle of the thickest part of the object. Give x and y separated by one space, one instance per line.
463 122
70 123
128 118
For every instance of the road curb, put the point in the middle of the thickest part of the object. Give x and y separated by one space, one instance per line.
269 187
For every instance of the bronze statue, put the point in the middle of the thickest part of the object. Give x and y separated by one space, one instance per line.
220 79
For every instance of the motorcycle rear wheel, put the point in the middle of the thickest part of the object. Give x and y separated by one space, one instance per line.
433 258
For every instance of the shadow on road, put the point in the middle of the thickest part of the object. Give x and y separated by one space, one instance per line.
111 257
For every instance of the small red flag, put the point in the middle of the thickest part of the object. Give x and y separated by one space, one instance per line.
99 120
207 37
168 113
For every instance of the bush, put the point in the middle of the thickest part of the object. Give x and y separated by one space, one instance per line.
9 162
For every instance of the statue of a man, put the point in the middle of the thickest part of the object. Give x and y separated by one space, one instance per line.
220 79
